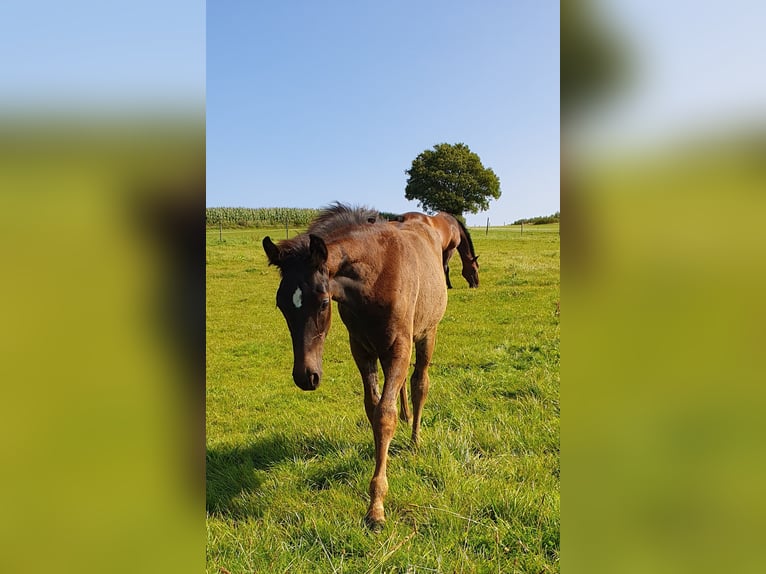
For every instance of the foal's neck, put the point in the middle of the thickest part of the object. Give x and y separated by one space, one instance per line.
352 267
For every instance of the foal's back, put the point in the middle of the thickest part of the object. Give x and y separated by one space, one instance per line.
423 261
393 277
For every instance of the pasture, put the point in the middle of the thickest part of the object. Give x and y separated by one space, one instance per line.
288 471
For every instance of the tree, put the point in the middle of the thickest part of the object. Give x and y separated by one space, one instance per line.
451 178
594 63
593 59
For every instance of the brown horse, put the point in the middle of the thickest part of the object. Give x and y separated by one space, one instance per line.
387 281
454 236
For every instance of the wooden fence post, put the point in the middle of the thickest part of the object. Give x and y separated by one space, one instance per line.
487 233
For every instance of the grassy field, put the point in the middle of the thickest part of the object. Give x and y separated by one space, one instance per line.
288 471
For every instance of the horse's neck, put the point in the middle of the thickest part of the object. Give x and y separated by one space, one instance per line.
443 228
464 250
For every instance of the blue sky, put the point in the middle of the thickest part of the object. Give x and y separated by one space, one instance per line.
695 68
91 54
312 102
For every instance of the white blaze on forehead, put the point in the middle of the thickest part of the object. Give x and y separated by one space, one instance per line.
298 298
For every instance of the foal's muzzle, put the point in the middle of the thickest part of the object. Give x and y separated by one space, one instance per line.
308 380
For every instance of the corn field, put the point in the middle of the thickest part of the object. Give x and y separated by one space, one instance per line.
258 217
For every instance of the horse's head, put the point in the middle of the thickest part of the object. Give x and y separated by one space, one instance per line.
471 271
304 299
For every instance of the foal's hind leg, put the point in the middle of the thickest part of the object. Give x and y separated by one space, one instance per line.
424 348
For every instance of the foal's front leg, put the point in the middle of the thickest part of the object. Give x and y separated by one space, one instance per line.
367 363
395 369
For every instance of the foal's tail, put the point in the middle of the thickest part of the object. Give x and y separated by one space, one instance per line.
404 406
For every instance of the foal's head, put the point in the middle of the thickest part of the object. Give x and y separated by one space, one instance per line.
304 299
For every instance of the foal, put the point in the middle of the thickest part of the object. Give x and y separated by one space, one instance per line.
388 283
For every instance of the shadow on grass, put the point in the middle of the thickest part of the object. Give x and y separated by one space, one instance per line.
232 471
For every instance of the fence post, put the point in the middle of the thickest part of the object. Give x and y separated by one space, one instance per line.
522 228
487 233
220 231
287 230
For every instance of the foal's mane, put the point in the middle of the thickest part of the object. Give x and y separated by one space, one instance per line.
332 220
468 236
338 216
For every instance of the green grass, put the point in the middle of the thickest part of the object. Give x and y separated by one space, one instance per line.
288 471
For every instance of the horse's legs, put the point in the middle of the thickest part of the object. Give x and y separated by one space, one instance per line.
395 366
367 363
446 256
424 348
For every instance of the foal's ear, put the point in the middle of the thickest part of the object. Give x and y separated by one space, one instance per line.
317 250
272 251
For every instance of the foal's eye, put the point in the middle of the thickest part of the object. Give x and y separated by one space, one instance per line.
323 305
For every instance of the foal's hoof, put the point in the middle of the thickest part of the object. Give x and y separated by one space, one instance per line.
375 521
374 525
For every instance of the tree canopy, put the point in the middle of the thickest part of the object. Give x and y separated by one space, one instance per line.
451 178
593 58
